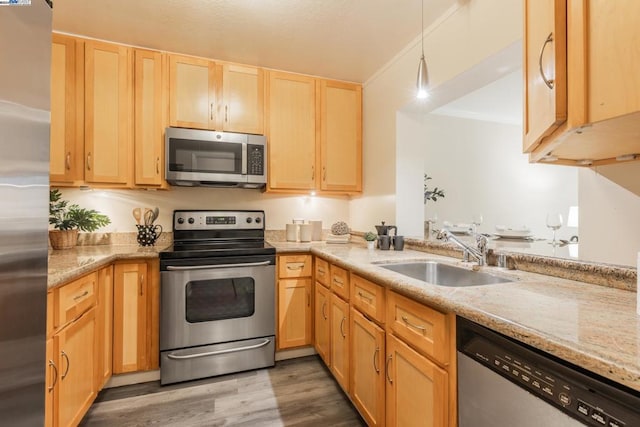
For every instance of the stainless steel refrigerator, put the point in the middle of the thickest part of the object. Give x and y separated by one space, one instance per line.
25 58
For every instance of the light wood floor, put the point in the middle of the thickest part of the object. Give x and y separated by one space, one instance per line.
296 392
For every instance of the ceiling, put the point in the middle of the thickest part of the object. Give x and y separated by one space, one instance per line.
339 39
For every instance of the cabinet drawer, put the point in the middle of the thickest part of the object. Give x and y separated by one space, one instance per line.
368 297
420 326
73 299
340 282
322 271
294 266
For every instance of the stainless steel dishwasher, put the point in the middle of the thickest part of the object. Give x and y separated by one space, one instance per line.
505 383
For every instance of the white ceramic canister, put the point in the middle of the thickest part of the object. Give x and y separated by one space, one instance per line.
292 232
316 230
305 232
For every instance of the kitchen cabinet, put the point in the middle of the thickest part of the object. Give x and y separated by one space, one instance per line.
339 282
135 316
294 301
242 106
150 114
339 345
602 90
417 389
192 92
67 110
108 113
104 326
291 131
340 136
367 387
71 351
322 323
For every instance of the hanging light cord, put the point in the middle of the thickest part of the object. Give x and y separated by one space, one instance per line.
422 28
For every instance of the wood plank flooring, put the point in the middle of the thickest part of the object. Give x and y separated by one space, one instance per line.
296 392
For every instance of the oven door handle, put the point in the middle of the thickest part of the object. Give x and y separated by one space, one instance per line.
218 352
206 267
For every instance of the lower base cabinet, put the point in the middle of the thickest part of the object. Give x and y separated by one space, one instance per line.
417 389
367 369
321 318
339 347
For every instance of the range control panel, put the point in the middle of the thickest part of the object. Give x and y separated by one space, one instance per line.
218 220
582 396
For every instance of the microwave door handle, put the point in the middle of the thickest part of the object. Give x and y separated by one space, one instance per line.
205 267
245 158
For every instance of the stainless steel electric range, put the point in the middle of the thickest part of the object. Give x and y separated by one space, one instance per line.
217 296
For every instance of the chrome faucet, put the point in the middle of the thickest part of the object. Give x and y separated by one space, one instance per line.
479 252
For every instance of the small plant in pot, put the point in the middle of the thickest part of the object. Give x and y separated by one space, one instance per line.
68 219
370 237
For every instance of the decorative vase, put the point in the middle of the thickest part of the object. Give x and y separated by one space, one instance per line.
371 244
63 239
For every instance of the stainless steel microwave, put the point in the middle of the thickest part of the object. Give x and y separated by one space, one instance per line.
215 159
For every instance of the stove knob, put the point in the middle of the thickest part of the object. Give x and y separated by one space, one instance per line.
191 221
249 220
258 220
180 220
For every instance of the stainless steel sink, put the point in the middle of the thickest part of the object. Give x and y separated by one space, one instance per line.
445 275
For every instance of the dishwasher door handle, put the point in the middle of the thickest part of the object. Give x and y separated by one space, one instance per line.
218 352
212 266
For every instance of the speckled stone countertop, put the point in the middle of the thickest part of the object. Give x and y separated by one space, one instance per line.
595 327
69 264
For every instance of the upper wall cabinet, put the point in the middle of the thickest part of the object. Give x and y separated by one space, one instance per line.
602 81
192 92
242 102
108 113
67 111
340 136
291 131
150 112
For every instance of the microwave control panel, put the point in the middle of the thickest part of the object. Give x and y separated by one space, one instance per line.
255 154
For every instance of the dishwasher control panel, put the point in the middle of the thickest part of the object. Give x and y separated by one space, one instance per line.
583 395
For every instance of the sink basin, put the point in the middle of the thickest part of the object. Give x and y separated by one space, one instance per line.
445 275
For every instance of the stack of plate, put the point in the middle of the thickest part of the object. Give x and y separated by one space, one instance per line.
459 228
520 233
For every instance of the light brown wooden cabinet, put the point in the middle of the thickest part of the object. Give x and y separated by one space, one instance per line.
135 317
108 109
367 388
192 92
322 323
150 117
417 390
104 327
66 163
242 102
340 337
294 301
590 114
340 136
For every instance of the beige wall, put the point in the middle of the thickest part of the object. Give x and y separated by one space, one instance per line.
469 32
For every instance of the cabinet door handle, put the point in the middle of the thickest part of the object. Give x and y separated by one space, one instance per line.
84 294
363 296
308 299
55 376
226 113
295 265
324 304
211 109
66 371
313 173
324 173
386 368
342 327
141 282
67 161
412 325
157 165
89 161
548 82
375 359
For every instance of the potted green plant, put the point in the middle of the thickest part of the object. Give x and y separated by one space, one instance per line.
68 219
370 237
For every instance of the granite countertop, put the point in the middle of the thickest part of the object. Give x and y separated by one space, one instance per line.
595 327
592 326
69 264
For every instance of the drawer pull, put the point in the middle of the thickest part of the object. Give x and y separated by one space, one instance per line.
386 367
84 294
55 376
338 281
420 328
363 296
342 328
375 359
321 271
295 265
66 371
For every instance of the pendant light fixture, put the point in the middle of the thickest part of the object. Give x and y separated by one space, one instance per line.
423 78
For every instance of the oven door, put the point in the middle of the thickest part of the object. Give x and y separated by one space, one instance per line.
209 304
